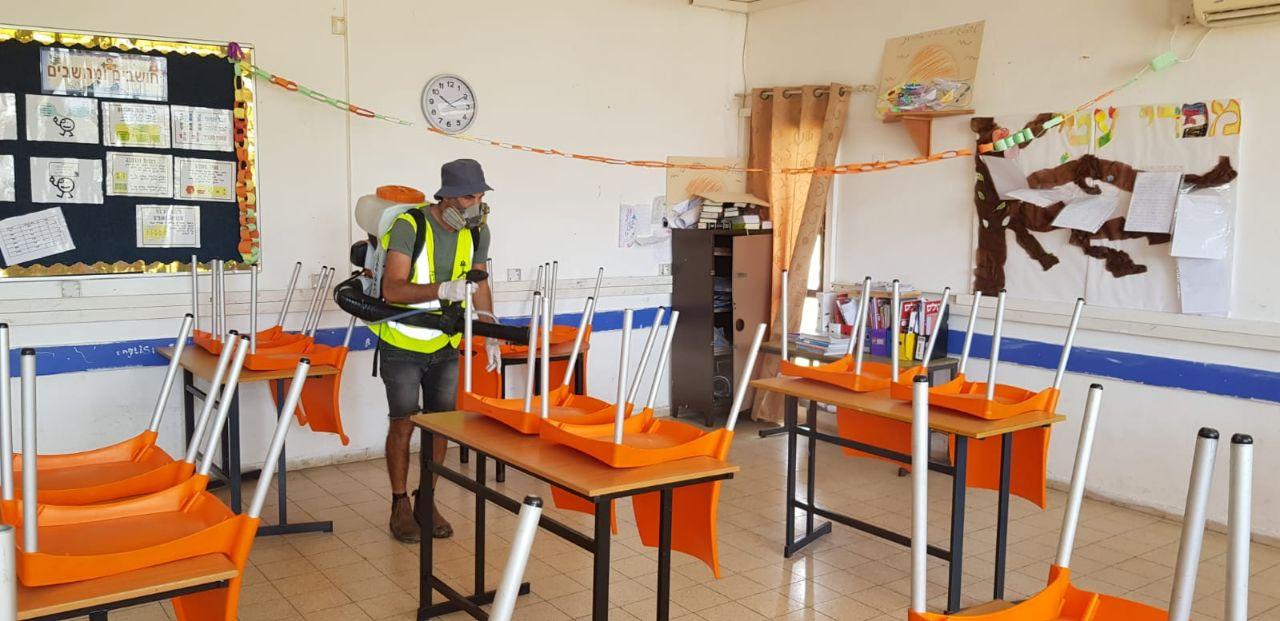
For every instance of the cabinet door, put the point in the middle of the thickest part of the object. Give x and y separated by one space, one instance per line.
752 284
691 360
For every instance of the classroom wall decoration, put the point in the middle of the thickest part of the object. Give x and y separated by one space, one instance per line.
1129 207
123 155
930 71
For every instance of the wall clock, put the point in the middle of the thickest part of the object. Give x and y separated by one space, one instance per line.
449 103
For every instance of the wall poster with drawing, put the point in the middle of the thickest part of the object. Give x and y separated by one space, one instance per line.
1128 207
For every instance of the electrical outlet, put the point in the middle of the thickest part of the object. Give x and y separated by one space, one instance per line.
337 25
664 269
71 289
513 274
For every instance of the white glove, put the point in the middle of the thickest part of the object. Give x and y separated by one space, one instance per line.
453 290
493 349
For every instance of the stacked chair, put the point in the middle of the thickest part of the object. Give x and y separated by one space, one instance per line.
1060 600
169 518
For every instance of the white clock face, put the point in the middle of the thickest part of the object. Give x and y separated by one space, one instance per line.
449 103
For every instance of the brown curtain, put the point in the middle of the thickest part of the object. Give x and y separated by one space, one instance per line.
792 127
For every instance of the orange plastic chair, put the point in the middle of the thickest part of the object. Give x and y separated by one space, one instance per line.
266 343
133 466
74 543
636 442
1060 600
850 372
321 406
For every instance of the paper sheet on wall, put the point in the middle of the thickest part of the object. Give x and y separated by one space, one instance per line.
62 119
8 116
34 236
1087 214
209 180
135 125
1154 196
90 73
1051 196
1204 286
203 129
139 174
7 189
1006 174
66 180
168 226
1201 227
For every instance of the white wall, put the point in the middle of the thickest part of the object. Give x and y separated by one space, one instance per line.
1041 55
583 75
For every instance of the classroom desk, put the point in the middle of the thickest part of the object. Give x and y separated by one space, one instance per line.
559 465
941 370
559 352
960 426
95 598
198 363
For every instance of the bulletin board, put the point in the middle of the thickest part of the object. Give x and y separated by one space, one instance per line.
1127 207
123 155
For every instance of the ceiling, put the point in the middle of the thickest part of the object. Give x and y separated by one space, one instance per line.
743 6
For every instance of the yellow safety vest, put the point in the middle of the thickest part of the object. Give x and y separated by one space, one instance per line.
414 338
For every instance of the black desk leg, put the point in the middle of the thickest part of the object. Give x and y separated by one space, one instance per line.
958 489
481 463
426 500
188 405
772 431
231 452
811 421
98 615
664 554
1002 517
600 578
789 407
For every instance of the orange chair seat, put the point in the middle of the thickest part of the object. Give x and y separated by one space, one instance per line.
1059 601
971 398
645 440
270 341
129 468
563 406
320 405
874 376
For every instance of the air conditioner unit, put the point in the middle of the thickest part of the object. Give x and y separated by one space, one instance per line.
1213 13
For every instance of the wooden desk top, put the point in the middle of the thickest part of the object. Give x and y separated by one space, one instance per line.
562 465
35 602
202 364
880 403
775 347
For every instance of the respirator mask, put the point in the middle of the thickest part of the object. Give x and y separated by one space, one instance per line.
459 217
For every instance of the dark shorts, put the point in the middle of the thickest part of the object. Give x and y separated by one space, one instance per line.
418 382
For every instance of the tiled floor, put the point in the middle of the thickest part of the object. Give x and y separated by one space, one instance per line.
359 573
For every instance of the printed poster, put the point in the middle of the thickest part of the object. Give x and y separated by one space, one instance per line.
204 180
34 236
7 193
62 119
139 174
168 226
92 73
135 125
8 116
202 129
66 180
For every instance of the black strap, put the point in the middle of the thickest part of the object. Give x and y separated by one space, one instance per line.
419 240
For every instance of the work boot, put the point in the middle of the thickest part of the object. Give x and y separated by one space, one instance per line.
441 529
403 525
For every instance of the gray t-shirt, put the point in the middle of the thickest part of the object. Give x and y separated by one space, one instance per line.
403 237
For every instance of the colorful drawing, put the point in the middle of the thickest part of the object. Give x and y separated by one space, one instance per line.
1195 120
932 70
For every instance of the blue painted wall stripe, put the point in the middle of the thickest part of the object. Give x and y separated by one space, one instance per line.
1215 379
142 352
1218 379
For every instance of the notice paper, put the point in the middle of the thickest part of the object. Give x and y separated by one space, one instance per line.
204 180
7 193
139 174
1006 175
204 129
90 73
34 236
1051 196
1087 214
135 125
66 180
8 116
168 226
1204 286
1155 195
1201 227
62 119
